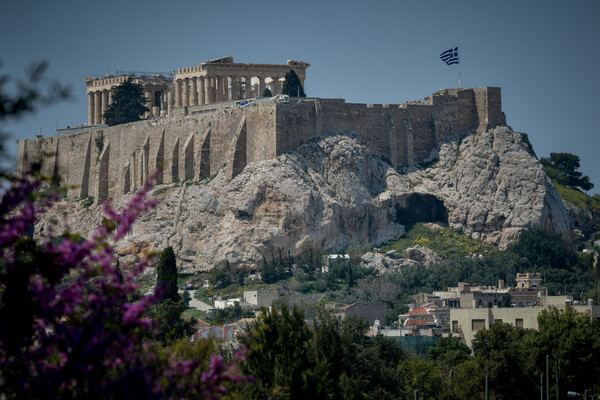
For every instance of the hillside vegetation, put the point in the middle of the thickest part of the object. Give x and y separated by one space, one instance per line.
578 198
447 243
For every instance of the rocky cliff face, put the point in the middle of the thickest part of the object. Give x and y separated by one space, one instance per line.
330 194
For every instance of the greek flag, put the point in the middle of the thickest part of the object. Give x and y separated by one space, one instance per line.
450 56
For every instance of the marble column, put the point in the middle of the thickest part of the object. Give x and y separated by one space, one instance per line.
91 120
170 101
201 91
104 102
186 92
248 87
259 87
226 88
235 88
219 88
212 89
98 107
276 86
148 104
178 102
194 93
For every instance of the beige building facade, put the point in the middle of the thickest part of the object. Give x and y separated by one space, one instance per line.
466 322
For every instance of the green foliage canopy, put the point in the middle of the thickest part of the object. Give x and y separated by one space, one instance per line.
292 85
563 168
543 248
575 339
128 104
279 355
500 352
167 274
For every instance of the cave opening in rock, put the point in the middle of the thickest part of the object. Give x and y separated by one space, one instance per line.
418 207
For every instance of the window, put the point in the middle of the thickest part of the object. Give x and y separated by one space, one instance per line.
519 322
477 324
454 326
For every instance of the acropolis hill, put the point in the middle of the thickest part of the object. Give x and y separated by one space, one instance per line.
212 122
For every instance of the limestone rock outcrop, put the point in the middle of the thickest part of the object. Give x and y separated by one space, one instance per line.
493 186
422 255
383 263
331 193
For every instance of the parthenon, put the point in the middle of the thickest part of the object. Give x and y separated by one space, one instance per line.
209 82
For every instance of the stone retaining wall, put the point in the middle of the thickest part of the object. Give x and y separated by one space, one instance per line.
109 162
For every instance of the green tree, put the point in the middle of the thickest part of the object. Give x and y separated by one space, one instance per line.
292 85
267 93
575 339
563 168
335 354
423 376
501 353
468 380
128 104
167 274
185 299
168 324
219 278
269 273
280 357
449 352
543 248
376 368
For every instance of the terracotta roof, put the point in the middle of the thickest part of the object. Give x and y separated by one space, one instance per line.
202 323
416 312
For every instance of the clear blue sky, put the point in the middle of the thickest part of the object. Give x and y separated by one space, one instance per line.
543 54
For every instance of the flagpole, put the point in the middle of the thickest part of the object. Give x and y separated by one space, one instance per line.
459 64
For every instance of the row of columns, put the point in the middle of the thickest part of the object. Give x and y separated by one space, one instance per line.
99 100
211 89
162 107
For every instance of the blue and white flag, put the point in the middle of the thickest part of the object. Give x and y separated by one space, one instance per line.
450 56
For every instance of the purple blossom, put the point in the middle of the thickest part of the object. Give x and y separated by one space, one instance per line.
66 308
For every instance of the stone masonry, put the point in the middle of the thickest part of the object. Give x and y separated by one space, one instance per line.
195 142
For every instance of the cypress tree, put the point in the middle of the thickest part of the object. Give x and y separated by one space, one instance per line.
128 104
167 274
292 85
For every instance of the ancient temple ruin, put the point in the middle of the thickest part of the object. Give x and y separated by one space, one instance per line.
206 83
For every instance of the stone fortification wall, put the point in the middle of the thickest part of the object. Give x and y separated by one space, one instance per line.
404 134
112 161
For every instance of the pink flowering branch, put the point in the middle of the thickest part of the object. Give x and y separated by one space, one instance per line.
72 320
